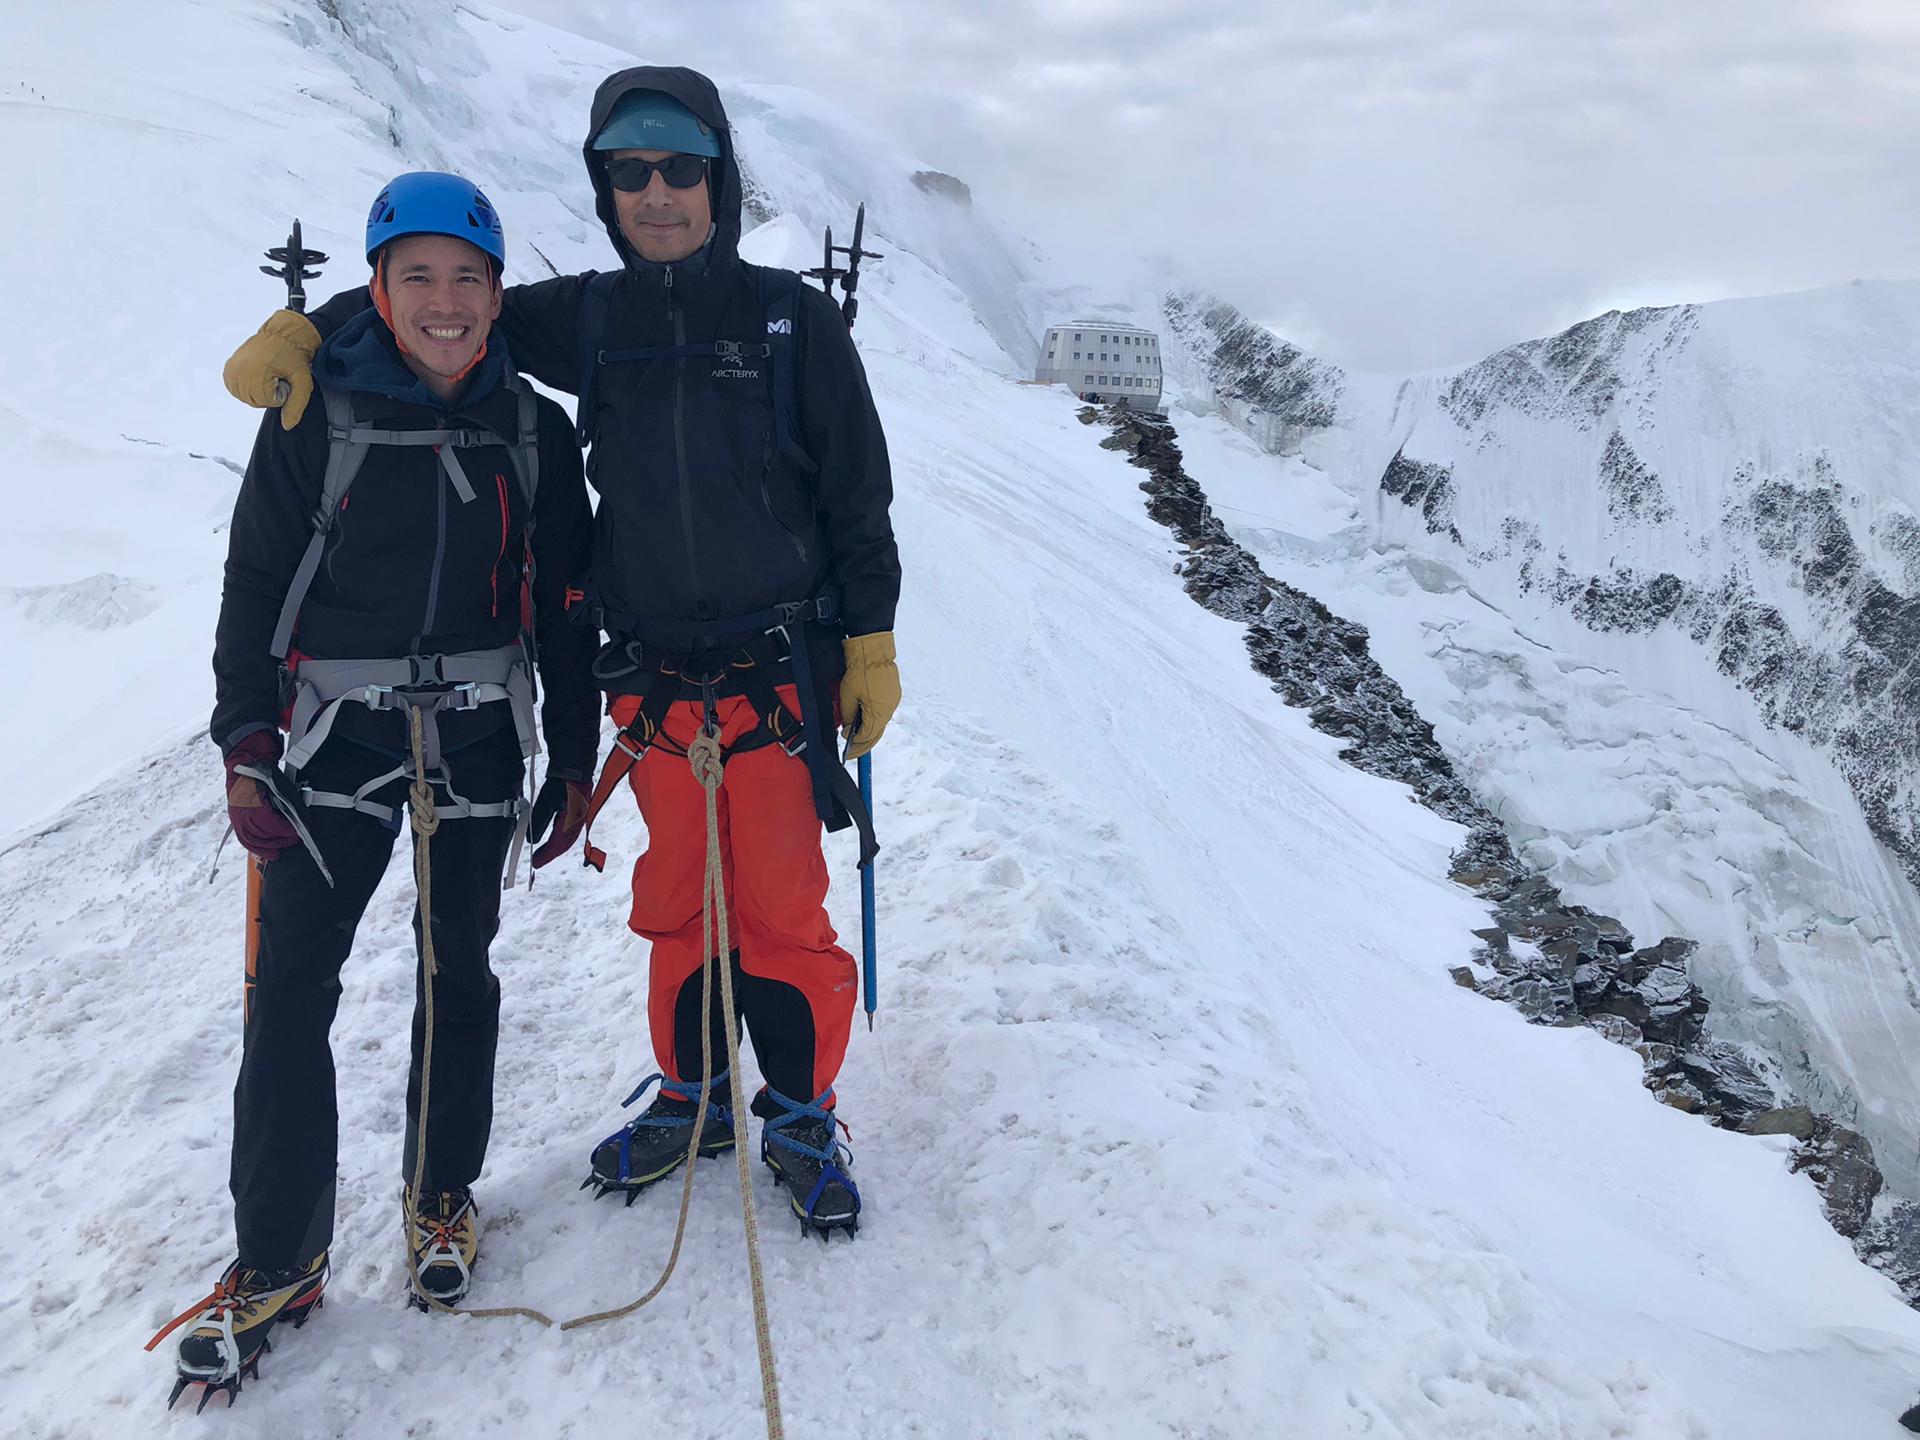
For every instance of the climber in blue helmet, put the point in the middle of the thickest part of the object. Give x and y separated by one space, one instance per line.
346 637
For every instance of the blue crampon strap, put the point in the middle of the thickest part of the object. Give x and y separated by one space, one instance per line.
665 1122
831 1161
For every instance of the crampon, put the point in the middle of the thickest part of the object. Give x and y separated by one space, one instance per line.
799 1146
231 1334
653 1145
444 1243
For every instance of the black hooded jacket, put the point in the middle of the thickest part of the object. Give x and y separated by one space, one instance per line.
703 516
408 568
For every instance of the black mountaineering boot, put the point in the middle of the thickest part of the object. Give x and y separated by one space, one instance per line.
799 1146
230 1333
653 1144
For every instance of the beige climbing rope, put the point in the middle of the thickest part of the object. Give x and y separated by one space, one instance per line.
709 767
686 1182
709 764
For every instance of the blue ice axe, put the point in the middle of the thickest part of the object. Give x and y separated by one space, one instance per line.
849 278
870 970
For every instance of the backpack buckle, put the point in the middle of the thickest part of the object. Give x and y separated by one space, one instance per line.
728 350
820 609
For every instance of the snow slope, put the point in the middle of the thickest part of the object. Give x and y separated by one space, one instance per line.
1173 1124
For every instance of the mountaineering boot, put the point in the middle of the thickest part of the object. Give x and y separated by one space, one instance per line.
653 1144
230 1333
443 1240
799 1146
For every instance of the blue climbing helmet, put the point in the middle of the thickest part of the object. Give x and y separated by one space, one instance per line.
431 202
652 120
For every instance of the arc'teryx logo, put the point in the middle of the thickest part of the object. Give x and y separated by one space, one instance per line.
732 362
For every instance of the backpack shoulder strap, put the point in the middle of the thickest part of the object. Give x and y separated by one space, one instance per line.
594 299
780 298
345 454
526 445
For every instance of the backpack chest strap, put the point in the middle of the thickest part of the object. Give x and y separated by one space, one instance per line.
347 447
719 349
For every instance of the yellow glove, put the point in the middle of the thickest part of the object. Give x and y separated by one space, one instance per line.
275 367
869 691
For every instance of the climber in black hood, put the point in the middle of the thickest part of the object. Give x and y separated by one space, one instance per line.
742 538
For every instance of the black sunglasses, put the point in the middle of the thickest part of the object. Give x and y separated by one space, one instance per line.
682 172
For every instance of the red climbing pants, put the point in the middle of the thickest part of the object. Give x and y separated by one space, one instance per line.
795 986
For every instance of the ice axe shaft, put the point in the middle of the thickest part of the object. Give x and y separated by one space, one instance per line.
256 878
870 966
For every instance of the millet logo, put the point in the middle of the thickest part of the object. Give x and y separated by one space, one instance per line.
780 327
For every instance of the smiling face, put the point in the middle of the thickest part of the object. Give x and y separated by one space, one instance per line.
442 300
663 224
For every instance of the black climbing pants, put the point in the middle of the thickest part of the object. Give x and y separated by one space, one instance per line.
285 1120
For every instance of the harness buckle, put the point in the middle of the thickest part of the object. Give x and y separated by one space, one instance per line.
819 609
426 670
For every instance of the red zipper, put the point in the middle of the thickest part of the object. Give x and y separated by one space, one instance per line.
500 483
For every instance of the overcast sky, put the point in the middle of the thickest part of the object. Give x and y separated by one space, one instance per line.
1395 185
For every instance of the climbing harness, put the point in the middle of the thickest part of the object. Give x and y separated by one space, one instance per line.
670 662
424 686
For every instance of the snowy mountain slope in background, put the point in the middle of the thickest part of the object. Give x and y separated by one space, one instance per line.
1650 578
1174 1122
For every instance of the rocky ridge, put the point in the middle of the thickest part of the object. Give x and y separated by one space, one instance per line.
1272 387
1559 963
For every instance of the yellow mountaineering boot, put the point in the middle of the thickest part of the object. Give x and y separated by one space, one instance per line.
230 1331
443 1240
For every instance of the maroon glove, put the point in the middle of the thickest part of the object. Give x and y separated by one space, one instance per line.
564 805
261 828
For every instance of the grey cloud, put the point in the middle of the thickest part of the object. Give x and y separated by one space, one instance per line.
1412 183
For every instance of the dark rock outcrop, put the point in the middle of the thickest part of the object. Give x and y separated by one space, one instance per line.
1635 494
1249 364
1426 487
947 187
1840 1163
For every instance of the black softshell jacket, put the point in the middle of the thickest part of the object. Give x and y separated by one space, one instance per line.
408 569
703 515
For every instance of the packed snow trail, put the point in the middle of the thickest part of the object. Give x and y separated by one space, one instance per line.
1173 1124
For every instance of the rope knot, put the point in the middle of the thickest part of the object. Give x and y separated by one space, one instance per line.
709 763
425 816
